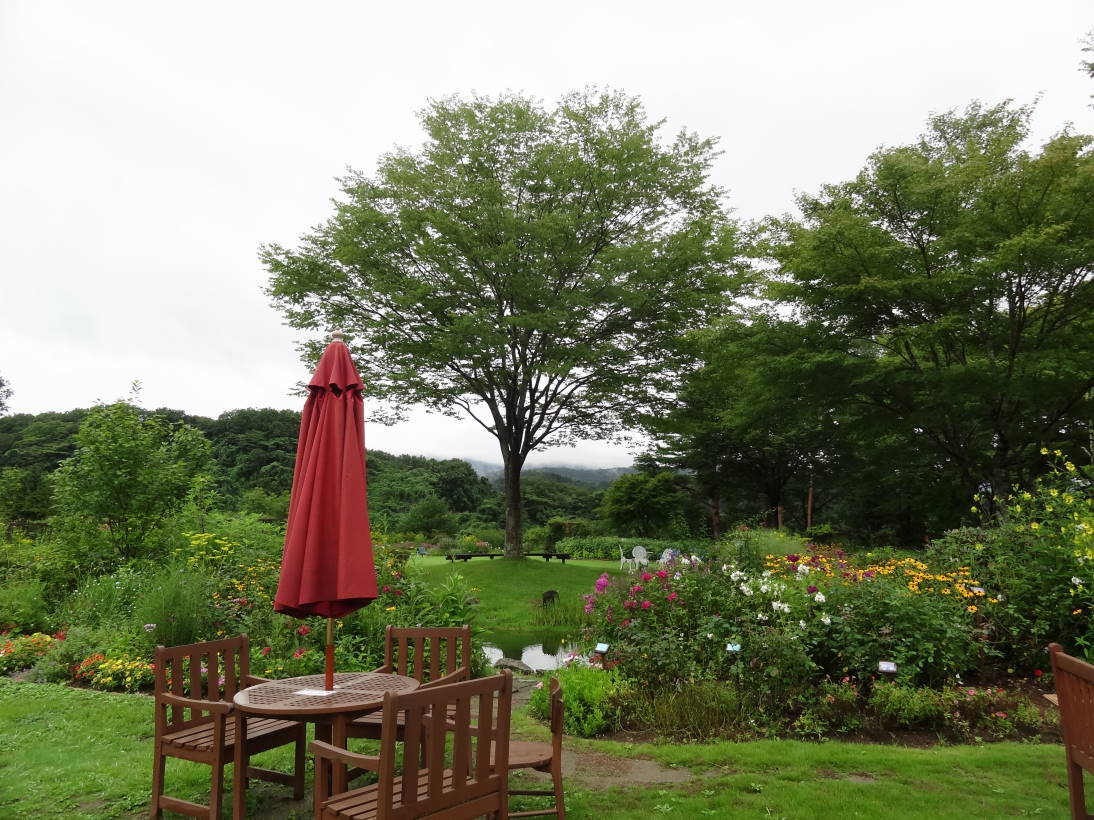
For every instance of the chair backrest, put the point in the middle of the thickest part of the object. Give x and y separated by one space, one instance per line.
1074 681
214 670
639 553
449 732
427 653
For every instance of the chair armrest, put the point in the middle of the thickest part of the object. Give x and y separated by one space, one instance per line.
461 674
254 680
385 669
218 707
325 750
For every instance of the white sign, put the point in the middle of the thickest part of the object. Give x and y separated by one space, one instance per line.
733 647
601 648
886 666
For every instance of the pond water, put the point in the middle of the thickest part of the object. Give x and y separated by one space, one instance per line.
539 650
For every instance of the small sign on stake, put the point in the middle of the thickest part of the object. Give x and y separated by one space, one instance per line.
733 647
601 648
888 667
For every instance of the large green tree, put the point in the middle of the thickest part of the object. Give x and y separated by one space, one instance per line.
530 268
957 276
130 470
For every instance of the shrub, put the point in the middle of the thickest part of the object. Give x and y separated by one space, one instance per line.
834 706
593 699
898 706
172 609
23 606
22 651
701 711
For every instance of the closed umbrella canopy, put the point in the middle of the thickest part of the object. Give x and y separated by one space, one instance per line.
327 568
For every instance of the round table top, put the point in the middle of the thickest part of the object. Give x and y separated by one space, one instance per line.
305 695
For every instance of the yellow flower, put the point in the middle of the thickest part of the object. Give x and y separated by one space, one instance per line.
970 609
1069 466
390 608
1044 451
1033 525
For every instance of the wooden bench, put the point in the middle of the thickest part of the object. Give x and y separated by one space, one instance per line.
547 556
467 556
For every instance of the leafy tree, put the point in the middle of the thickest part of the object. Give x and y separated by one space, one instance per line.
256 448
649 505
430 516
5 394
531 268
955 275
129 472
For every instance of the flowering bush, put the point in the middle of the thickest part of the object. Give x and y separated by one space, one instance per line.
122 673
21 651
593 700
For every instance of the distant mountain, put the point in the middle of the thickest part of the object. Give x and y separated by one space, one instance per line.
589 476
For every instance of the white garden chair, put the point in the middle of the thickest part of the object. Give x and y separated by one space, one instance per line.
625 562
640 557
667 557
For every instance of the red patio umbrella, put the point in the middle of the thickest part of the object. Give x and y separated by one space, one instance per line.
327 567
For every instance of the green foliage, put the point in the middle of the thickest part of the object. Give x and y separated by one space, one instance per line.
834 706
650 506
23 606
430 516
130 471
594 699
702 710
172 609
961 713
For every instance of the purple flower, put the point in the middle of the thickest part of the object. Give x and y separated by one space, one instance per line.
811 589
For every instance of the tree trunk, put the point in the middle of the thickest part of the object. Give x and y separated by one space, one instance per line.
715 505
514 518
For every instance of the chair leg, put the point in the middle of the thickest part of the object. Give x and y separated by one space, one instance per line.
1075 790
216 790
157 783
298 765
560 803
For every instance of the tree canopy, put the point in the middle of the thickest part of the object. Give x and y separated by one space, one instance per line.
531 268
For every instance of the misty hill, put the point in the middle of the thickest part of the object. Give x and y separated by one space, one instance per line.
597 477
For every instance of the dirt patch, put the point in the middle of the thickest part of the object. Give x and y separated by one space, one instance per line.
600 771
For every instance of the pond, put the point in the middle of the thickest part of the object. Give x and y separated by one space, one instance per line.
539 650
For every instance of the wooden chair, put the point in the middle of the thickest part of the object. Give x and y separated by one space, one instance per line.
1075 690
544 757
433 656
454 763
194 688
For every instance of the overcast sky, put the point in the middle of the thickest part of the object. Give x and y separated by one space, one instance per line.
147 149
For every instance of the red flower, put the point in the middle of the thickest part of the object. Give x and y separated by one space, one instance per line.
265 651
304 630
299 653
646 576
1037 673
60 636
646 604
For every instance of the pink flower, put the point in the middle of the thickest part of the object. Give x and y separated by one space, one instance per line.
662 573
588 608
672 596
629 603
626 622
265 651
304 630
646 604
602 582
299 653
646 576
636 588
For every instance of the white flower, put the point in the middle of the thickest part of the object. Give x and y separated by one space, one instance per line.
695 559
1076 581
779 606
677 576
725 568
767 573
746 589
736 575
710 635
801 624
760 616
803 569
684 560
765 588
826 619
819 598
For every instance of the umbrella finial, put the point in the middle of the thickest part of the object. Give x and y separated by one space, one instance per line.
336 336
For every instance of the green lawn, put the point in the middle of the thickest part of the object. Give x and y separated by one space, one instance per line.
511 592
69 753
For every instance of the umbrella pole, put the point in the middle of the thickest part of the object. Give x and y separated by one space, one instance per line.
329 677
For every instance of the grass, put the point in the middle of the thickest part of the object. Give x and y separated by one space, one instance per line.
510 593
70 753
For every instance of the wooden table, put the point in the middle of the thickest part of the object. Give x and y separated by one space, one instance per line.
304 699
